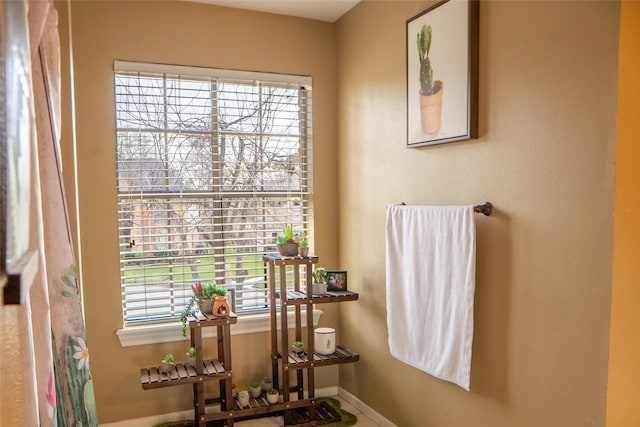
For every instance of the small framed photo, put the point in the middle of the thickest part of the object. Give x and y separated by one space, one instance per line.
336 280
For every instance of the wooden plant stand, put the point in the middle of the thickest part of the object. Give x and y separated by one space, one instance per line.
286 366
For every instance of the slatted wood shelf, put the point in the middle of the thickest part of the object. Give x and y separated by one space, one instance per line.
299 411
324 414
341 355
198 319
297 260
255 407
299 297
181 374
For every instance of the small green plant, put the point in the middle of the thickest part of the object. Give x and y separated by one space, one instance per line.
287 235
303 243
255 384
426 72
272 391
319 275
168 358
298 348
191 352
200 292
243 393
211 291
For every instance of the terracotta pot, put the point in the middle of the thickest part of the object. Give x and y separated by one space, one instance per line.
221 307
431 109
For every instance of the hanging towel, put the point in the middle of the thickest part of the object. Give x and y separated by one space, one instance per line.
430 288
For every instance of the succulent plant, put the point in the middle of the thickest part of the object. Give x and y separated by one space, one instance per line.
426 72
319 275
200 292
287 235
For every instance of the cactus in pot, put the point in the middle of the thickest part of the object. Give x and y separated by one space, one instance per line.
426 71
430 90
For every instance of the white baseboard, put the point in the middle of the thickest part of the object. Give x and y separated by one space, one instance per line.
364 408
185 415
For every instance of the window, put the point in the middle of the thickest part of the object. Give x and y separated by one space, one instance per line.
211 164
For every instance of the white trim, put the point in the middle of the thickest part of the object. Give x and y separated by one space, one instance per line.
364 408
188 415
211 72
170 332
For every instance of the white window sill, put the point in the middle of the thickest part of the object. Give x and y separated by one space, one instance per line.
169 332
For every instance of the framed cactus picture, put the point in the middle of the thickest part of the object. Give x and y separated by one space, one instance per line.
442 73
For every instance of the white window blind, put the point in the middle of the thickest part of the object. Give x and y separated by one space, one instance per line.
211 164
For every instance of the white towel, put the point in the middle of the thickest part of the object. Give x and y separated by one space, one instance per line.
430 288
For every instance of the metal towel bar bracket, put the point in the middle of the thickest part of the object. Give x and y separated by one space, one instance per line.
486 208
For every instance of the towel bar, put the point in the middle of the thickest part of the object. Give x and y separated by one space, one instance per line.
486 208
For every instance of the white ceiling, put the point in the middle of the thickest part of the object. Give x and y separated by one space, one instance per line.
323 10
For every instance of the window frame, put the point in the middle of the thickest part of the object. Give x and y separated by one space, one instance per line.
305 150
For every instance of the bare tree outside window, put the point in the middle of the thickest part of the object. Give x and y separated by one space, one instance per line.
209 170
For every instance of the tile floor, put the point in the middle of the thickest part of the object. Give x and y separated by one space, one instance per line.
363 420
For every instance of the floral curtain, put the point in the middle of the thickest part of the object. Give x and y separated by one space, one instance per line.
64 382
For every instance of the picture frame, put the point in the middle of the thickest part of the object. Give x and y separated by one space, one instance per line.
18 263
336 280
442 60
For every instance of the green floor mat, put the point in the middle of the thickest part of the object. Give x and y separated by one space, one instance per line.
348 419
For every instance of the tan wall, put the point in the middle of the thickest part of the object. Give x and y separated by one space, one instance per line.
545 158
187 34
624 352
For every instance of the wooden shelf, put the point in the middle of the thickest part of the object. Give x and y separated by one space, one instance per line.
198 319
341 355
300 297
300 412
182 374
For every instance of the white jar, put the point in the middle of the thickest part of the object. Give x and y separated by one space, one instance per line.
325 340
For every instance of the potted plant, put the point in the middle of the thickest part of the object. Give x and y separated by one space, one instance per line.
168 364
430 90
272 396
191 357
303 247
287 246
319 281
298 348
267 383
203 296
243 398
255 388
